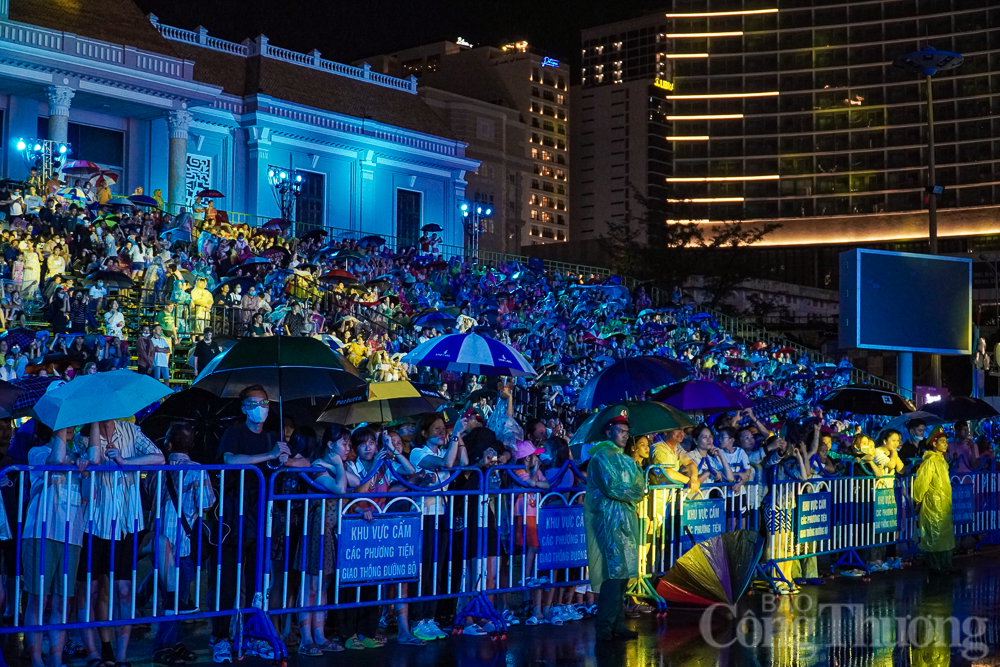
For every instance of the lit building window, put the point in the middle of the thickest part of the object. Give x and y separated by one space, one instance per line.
534 153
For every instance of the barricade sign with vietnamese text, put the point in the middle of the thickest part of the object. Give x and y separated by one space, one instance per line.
814 517
885 511
387 548
562 539
963 507
704 518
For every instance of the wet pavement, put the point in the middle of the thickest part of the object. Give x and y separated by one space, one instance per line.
898 618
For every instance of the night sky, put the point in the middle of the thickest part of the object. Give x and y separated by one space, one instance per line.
346 31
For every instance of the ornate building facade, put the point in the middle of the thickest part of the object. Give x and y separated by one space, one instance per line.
179 111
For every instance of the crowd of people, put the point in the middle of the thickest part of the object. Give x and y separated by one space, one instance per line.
126 287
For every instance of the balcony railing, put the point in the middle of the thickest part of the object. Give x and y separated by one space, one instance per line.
261 47
93 49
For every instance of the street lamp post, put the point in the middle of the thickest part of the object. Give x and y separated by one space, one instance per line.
475 215
929 61
286 185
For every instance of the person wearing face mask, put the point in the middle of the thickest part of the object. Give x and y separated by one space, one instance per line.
9 372
247 443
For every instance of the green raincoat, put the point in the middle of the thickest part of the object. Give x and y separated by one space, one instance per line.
615 486
932 489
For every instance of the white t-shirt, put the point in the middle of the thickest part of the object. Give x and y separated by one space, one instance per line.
97 292
160 359
432 504
737 460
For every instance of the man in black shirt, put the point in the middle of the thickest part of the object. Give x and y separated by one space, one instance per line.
206 350
246 444
295 321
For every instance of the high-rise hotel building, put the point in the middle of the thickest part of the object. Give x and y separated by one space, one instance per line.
791 111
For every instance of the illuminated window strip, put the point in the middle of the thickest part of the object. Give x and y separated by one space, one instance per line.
690 137
686 55
679 35
705 200
706 179
721 96
735 13
718 116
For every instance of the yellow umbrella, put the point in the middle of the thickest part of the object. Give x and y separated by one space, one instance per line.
381 402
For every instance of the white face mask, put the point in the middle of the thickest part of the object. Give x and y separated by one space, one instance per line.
257 415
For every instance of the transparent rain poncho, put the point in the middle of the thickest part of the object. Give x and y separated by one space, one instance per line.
615 486
932 490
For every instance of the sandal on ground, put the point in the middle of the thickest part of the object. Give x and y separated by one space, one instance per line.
410 640
310 650
167 656
331 646
184 653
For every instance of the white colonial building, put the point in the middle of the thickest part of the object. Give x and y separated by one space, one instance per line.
178 110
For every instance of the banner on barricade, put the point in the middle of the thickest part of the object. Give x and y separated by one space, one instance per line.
963 505
562 539
704 518
886 512
814 517
388 548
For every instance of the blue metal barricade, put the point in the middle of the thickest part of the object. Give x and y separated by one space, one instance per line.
62 513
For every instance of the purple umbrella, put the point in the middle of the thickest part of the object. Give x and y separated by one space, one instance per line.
703 396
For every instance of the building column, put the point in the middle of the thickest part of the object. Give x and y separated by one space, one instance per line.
60 98
177 122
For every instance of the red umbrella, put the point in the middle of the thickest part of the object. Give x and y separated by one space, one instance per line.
209 194
338 274
80 168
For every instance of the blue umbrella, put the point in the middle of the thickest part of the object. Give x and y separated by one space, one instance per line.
256 260
433 319
470 353
98 397
629 378
144 201
177 234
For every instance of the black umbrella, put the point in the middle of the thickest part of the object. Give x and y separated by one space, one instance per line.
288 367
767 406
865 400
116 278
960 409
208 415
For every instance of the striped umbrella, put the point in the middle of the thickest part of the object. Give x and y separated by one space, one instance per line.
104 177
470 353
81 168
73 195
